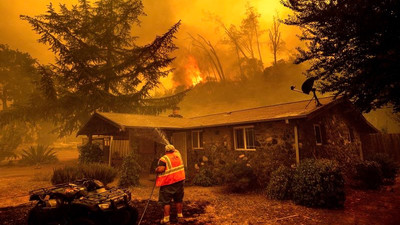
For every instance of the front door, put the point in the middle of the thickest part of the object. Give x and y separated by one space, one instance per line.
179 141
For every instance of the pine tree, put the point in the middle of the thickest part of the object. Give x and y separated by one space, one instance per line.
98 64
353 47
17 77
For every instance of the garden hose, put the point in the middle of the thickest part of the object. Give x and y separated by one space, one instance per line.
148 201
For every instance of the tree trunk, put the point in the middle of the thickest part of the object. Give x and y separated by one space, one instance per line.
258 46
239 62
4 99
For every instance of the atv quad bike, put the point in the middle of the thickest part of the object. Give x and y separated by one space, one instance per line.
82 202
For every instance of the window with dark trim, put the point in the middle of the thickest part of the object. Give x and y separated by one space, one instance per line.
244 138
318 134
197 139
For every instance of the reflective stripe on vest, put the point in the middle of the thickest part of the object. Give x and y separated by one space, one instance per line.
174 171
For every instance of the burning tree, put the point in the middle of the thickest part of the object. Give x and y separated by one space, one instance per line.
246 43
98 64
210 53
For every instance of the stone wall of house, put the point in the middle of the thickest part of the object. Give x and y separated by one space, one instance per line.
218 142
274 134
214 139
336 138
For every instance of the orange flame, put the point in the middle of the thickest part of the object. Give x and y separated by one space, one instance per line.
193 72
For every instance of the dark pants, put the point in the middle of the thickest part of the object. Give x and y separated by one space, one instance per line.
173 191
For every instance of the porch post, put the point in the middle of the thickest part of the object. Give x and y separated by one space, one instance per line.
109 152
90 139
296 144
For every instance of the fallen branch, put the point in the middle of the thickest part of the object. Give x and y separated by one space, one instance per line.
278 219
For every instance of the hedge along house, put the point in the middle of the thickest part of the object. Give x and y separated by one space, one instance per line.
301 127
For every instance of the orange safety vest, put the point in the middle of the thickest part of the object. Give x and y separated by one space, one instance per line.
174 171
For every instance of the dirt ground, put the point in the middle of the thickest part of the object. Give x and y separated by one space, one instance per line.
211 205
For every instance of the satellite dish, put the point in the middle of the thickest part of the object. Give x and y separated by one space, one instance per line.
306 88
308 85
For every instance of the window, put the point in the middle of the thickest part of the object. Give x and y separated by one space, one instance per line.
107 141
197 139
244 138
318 135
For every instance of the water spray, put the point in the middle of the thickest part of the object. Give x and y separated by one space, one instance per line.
162 136
166 142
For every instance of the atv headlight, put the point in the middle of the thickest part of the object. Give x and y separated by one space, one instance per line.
104 206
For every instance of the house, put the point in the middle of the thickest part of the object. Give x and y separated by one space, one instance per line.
304 128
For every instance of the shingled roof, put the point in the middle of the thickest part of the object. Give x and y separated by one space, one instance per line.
291 110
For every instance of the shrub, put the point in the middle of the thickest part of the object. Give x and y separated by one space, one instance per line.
204 178
66 174
368 175
388 166
219 175
38 155
11 136
240 177
318 183
90 153
96 171
267 161
130 171
41 176
279 186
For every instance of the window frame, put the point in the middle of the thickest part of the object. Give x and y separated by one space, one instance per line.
320 134
200 145
244 139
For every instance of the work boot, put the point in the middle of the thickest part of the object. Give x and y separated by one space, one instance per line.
180 218
165 220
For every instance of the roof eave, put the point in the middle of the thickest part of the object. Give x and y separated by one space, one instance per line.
249 121
119 126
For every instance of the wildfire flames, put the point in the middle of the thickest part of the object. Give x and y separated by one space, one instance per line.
192 71
196 80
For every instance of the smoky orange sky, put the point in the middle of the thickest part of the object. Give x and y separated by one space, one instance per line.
161 15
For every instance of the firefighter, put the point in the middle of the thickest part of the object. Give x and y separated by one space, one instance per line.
170 179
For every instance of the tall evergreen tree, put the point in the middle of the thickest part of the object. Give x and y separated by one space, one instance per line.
353 47
17 77
98 64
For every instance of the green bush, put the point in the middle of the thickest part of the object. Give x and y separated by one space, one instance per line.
96 171
318 183
130 171
38 155
90 153
204 178
368 175
280 184
240 177
388 166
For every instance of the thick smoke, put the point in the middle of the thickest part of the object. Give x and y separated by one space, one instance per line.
197 17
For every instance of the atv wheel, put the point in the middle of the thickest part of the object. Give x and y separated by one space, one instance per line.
83 221
124 216
37 216
34 217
